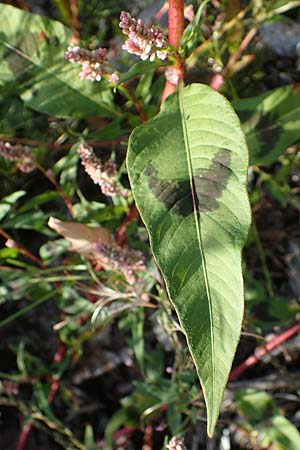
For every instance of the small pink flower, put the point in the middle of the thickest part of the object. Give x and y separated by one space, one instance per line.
102 174
176 444
94 62
20 154
143 41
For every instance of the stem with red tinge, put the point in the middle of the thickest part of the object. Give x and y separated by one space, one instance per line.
176 27
261 351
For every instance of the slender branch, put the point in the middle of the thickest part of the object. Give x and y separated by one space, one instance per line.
27 308
126 91
264 264
121 233
261 351
218 79
51 146
58 188
160 13
21 249
238 53
24 435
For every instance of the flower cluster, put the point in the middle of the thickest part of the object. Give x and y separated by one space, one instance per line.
176 444
122 259
102 174
21 155
143 41
94 63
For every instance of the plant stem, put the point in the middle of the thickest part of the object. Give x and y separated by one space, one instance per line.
24 435
74 20
175 22
176 27
21 249
128 94
263 261
54 146
27 308
261 351
58 188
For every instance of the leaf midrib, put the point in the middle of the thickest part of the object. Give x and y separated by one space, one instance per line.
198 228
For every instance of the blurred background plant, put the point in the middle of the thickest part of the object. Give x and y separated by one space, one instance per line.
92 356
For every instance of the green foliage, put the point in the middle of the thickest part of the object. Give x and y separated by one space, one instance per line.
34 48
271 123
274 429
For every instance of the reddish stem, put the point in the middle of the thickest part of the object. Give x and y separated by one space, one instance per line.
261 351
176 27
21 249
24 435
175 22
244 44
121 233
58 188
161 12
75 23
51 146
125 431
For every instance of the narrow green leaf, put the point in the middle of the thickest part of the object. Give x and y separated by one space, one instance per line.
9 201
139 68
188 170
191 35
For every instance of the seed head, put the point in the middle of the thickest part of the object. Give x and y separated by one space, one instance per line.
122 259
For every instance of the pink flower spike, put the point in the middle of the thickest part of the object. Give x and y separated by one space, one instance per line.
94 62
145 42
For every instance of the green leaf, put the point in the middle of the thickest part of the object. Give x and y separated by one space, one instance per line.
89 439
139 68
9 201
33 49
188 170
191 35
271 122
264 417
282 433
255 405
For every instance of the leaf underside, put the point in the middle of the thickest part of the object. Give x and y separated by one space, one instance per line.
188 171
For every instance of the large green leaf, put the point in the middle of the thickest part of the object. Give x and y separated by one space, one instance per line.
32 49
188 170
271 122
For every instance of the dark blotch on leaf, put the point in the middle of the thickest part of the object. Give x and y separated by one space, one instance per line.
175 195
209 184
